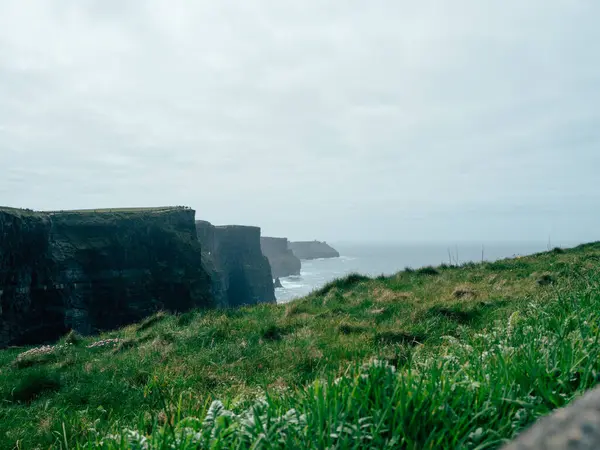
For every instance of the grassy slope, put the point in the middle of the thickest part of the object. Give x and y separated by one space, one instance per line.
467 376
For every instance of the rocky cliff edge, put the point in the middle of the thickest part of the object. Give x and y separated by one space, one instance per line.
241 273
95 270
282 260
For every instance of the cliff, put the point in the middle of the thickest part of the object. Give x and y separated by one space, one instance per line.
241 274
313 250
95 270
282 260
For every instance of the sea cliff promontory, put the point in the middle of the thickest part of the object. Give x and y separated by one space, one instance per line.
282 260
241 273
313 250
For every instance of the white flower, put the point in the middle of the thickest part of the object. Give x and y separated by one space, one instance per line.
451 339
104 343
380 364
136 440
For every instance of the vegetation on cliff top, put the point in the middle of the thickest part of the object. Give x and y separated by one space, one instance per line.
91 210
447 357
156 209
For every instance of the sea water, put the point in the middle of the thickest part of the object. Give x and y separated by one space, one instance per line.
387 259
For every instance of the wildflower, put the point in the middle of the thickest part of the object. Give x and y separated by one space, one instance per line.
136 440
474 385
43 350
451 359
521 414
380 364
104 343
512 320
450 339
477 435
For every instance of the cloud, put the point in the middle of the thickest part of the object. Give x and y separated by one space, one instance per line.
312 119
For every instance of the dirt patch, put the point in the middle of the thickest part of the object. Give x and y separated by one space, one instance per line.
545 279
464 291
347 328
382 295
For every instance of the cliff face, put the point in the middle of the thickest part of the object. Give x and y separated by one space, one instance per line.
282 260
26 303
313 250
241 273
91 271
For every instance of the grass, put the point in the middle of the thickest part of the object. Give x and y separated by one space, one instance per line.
157 209
428 271
35 383
30 212
463 359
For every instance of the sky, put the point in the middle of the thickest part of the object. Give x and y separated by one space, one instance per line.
395 120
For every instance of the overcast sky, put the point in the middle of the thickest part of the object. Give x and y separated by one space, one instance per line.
338 120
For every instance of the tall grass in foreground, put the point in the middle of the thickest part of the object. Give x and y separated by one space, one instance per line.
475 391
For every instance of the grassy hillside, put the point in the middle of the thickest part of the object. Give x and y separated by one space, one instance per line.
447 357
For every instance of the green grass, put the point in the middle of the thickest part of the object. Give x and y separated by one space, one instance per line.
19 212
157 209
30 212
455 357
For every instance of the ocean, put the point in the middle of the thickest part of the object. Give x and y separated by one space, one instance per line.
378 259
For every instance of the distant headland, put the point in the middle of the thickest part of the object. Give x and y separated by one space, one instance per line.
313 250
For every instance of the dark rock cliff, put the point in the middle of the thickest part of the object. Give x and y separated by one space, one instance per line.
282 260
241 273
313 250
95 270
